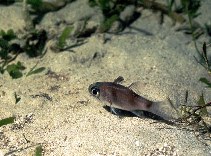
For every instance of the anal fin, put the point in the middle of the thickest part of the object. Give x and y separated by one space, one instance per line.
138 113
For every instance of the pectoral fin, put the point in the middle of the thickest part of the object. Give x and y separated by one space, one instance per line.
115 111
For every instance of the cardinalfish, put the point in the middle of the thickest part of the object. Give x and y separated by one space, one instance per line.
119 97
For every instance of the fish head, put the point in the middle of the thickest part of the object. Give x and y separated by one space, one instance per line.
111 93
104 91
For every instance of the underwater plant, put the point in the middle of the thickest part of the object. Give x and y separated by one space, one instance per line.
36 4
111 11
9 49
191 7
15 70
6 121
205 61
193 117
68 40
63 37
205 81
35 43
35 70
38 151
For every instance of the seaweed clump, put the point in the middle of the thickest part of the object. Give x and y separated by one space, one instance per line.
11 46
195 118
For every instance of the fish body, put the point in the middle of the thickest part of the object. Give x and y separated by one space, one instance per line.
119 96
124 98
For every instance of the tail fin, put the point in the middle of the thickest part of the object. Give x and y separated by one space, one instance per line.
164 109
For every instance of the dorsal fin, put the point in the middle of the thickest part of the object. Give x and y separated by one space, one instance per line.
118 79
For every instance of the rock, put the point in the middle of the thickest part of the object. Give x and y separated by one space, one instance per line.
49 5
116 27
11 17
127 14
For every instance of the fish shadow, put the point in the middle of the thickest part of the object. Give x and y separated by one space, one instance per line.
144 114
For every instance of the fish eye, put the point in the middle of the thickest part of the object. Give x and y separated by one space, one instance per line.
95 91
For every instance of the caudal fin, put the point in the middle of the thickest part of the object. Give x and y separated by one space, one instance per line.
164 110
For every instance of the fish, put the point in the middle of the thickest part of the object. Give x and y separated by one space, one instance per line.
119 97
